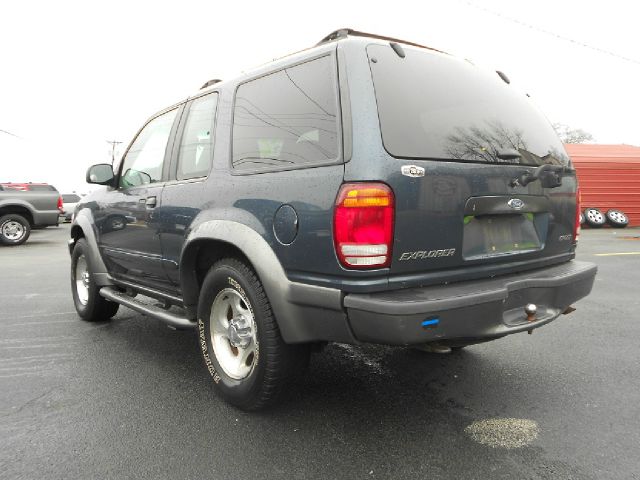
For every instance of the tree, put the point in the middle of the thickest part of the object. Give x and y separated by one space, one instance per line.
572 135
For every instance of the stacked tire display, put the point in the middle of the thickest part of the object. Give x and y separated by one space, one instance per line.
594 218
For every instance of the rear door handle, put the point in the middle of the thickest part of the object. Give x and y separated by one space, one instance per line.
151 202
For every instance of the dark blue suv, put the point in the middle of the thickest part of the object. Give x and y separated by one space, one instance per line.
367 189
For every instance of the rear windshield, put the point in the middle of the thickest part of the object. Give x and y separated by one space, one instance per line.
436 106
70 198
42 188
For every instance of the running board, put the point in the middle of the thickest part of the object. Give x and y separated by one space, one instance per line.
170 319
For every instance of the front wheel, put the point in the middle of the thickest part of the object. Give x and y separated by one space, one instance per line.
240 340
14 229
86 294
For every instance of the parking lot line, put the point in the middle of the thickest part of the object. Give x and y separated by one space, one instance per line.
614 254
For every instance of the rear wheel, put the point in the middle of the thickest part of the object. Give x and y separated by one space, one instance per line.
594 217
86 297
14 229
240 340
617 219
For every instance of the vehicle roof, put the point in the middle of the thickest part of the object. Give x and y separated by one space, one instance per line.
8 184
327 44
27 186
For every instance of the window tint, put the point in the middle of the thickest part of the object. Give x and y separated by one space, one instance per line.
287 118
70 198
143 162
441 107
196 145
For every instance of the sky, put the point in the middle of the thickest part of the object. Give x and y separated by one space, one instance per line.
74 75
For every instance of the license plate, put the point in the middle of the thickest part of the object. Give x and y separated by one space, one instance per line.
494 235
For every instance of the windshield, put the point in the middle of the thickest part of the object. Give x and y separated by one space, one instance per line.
436 106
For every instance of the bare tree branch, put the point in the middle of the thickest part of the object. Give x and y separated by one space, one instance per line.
572 135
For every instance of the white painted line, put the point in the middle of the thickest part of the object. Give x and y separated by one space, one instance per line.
25 374
615 254
40 323
51 345
38 315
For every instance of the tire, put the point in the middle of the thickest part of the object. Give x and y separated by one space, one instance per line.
594 218
14 229
240 340
617 219
581 218
86 297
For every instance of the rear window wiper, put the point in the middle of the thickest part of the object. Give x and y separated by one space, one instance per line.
550 176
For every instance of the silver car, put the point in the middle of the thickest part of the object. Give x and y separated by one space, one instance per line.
69 201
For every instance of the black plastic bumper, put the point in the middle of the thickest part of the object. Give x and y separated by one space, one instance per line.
468 311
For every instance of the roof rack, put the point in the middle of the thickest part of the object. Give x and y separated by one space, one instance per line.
346 32
210 82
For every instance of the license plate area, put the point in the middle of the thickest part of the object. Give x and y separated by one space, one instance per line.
488 236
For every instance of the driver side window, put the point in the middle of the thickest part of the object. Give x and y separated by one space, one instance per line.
144 160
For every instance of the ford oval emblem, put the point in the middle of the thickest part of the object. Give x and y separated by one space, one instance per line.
516 204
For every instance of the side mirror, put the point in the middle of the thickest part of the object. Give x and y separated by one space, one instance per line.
100 174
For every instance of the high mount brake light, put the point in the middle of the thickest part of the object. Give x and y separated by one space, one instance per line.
576 227
363 225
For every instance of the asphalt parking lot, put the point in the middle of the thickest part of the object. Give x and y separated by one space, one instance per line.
130 398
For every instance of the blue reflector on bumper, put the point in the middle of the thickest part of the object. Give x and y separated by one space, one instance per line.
432 322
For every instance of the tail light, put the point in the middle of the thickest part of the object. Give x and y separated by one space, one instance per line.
60 206
363 225
576 227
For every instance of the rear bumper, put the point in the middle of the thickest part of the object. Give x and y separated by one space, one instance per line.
468 312
46 218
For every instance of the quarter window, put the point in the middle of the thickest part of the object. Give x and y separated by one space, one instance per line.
287 118
196 145
145 158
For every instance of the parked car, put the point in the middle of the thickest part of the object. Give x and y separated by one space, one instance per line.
365 190
69 202
22 211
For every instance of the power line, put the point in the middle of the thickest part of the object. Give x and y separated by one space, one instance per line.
553 34
9 133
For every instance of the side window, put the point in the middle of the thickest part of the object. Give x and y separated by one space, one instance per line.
196 145
143 162
287 118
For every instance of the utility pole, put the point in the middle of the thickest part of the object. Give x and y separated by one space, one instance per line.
113 144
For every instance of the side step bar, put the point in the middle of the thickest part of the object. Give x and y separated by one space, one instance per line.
170 319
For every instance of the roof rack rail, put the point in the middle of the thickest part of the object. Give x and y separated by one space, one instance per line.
346 32
210 82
